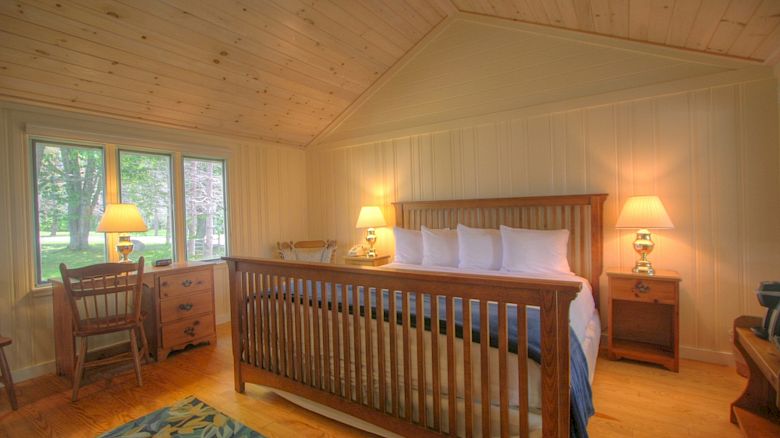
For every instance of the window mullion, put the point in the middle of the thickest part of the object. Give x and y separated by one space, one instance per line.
180 232
111 192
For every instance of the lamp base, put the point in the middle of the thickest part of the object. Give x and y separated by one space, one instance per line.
643 267
643 245
371 239
125 247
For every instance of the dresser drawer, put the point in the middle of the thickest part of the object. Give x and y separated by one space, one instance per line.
185 284
643 290
182 332
184 306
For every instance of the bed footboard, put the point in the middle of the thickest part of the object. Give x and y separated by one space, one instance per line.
394 347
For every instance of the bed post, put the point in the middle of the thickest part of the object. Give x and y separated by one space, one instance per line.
554 326
235 322
596 243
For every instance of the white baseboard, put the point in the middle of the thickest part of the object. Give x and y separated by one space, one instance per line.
32 372
221 319
716 357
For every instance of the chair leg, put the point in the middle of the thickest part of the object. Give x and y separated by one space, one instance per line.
8 380
80 361
144 344
136 355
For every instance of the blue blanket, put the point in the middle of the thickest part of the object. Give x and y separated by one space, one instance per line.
581 396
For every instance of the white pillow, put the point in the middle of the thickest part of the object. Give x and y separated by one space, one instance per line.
440 247
479 248
408 246
534 251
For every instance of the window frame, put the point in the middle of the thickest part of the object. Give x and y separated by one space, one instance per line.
111 147
37 250
224 163
171 176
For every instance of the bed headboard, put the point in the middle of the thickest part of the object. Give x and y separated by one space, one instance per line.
582 215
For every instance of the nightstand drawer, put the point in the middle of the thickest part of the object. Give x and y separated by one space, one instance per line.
182 332
643 290
185 306
186 283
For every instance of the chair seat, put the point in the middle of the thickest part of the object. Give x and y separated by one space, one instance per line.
99 326
5 341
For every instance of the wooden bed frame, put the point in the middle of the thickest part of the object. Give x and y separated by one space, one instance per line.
285 339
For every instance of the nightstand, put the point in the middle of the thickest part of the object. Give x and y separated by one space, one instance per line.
644 317
365 261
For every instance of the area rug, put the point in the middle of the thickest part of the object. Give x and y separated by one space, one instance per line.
190 418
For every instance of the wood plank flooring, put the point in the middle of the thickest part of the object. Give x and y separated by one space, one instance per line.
632 400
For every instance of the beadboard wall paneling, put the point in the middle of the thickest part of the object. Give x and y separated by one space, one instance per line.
266 203
478 65
710 154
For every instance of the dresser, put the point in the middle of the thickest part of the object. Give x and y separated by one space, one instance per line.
178 304
644 317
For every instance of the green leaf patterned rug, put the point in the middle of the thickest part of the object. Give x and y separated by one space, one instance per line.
189 418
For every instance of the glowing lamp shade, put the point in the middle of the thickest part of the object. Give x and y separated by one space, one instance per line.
643 213
123 219
370 217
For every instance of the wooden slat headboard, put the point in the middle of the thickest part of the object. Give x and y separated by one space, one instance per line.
582 215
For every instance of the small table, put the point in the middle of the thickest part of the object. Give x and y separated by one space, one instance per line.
366 261
757 410
644 317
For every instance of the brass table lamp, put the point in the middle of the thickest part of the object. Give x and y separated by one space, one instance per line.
644 213
370 217
122 219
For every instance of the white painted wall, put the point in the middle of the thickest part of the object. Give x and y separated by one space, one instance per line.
266 203
710 152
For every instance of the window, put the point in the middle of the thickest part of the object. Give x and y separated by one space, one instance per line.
73 182
204 200
145 180
69 190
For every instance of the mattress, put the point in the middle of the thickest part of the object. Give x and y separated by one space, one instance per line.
585 324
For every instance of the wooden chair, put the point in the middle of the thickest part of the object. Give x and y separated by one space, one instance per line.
307 250
8 380
104 300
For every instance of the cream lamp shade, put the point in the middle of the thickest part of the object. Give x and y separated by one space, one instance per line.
123 219
643 213
370 217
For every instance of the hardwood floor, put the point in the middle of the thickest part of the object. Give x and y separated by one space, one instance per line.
632 400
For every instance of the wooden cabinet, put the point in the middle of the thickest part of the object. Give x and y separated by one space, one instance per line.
757 410
365 261
178 304
644 317
185 309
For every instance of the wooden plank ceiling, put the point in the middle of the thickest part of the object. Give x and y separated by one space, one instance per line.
283 70
747 29
276 70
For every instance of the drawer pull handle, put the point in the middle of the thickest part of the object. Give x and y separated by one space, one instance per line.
164 284
190 331
641 287
185 307
186 283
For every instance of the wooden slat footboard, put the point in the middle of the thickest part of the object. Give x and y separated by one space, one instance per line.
309 329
